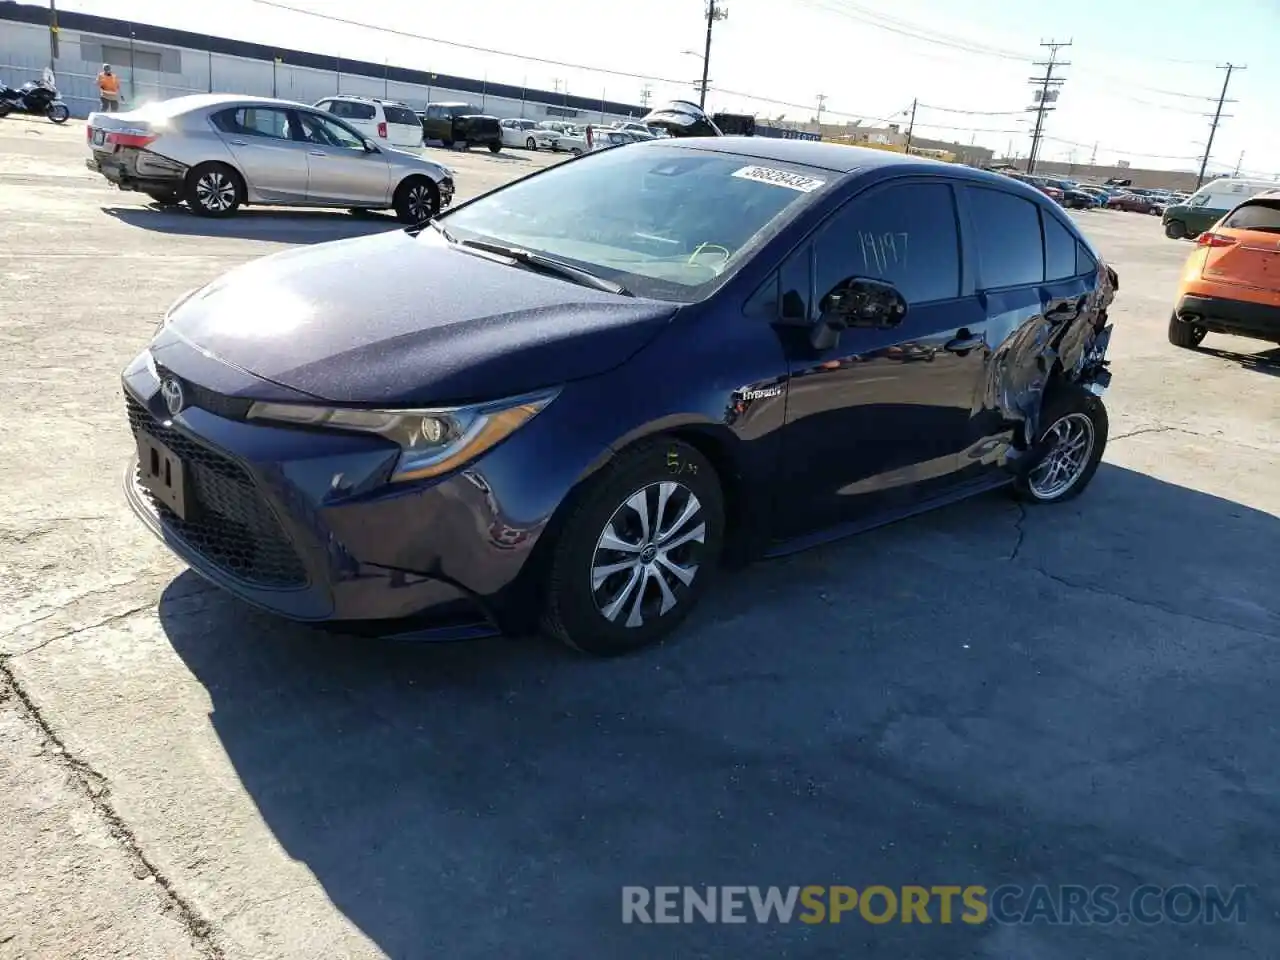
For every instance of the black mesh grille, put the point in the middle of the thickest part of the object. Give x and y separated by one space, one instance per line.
229 522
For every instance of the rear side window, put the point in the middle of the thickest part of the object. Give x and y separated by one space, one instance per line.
353 111
1007 231
1085 264
1256 215
1059 249
401 115
905 234
254 122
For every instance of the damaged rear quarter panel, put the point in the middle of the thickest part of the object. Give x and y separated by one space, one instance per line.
1040 334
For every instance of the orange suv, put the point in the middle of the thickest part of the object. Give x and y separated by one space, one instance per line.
1231 282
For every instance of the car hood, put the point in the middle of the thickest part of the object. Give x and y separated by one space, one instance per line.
394 319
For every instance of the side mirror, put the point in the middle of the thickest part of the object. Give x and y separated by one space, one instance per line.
857 302
370 146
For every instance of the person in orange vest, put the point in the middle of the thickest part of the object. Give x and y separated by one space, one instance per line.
109 89
591 138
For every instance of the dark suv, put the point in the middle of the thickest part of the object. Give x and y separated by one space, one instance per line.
452 123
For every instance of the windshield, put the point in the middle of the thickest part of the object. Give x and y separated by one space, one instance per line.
663 222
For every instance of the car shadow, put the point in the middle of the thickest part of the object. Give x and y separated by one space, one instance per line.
273 225
1267 362
982 695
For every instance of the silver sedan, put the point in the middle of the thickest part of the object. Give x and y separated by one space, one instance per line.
219 151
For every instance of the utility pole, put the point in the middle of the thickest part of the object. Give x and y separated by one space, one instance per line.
646 92
714 13
911 126
1239 163
1093 157
1047 92
53 35
1217 117
822 99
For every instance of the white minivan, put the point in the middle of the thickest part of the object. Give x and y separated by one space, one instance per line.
382 121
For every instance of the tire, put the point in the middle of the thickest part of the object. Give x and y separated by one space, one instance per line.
1175 229
417 200
447 143
576 151
1070 416
58 112
214 190
531 144
624 611
495 147
1186 335
5 110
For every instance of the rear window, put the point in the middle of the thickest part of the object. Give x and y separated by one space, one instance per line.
401 115
1256 215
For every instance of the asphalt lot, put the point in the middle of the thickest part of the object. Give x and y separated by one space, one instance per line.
984 695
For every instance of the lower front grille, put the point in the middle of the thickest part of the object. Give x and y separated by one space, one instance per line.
228 522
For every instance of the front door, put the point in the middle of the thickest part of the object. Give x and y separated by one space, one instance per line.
274 163
340 170
879 422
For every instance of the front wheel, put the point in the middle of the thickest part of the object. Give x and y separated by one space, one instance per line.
637 551
417 200
58 112
576 151
214 190
1073 436
5 109
495 147
1175 229
531 144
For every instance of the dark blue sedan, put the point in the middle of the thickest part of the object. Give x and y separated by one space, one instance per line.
565 403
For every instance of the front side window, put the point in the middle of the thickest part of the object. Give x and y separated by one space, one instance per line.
254 122
1007 234
664 222
904 234
325 132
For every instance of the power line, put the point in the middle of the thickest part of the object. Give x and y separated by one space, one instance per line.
1124 153
880 21
1217 117
974 113
1046 94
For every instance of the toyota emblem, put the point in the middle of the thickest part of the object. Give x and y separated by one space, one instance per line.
171 390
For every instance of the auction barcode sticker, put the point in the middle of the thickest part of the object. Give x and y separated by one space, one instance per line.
780 178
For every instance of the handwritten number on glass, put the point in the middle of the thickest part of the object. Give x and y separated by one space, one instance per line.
882 252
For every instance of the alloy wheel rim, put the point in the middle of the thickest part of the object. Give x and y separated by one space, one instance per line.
1071 442
215 191
648 555
420 204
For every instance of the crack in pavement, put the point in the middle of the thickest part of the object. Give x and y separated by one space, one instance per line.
1018 525
97 791
1191 433
104 622
1150 604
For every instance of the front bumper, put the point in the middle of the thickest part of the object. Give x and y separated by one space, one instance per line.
301 523
1221 315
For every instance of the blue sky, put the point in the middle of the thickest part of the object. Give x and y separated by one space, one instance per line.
1142 75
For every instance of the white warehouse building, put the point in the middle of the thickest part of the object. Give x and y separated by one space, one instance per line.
156 63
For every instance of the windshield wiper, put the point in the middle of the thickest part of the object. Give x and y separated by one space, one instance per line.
550 265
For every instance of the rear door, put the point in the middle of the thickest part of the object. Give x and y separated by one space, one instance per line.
340 171
359 115
1245 249
273 161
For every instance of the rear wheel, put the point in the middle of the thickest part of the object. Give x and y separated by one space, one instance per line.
1183 334
5 109
214 190
638 550
417 200
1066 455
531 144
1175 229
576 151
495 147
58 112
447 143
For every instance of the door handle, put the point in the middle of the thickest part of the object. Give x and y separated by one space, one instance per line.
239 143
316 153
964 342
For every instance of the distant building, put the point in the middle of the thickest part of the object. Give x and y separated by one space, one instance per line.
1180 180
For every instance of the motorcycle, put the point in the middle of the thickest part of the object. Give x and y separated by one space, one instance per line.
36 97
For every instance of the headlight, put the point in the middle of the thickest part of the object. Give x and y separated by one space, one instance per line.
432 441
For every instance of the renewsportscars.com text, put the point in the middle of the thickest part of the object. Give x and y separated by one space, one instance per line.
877 904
